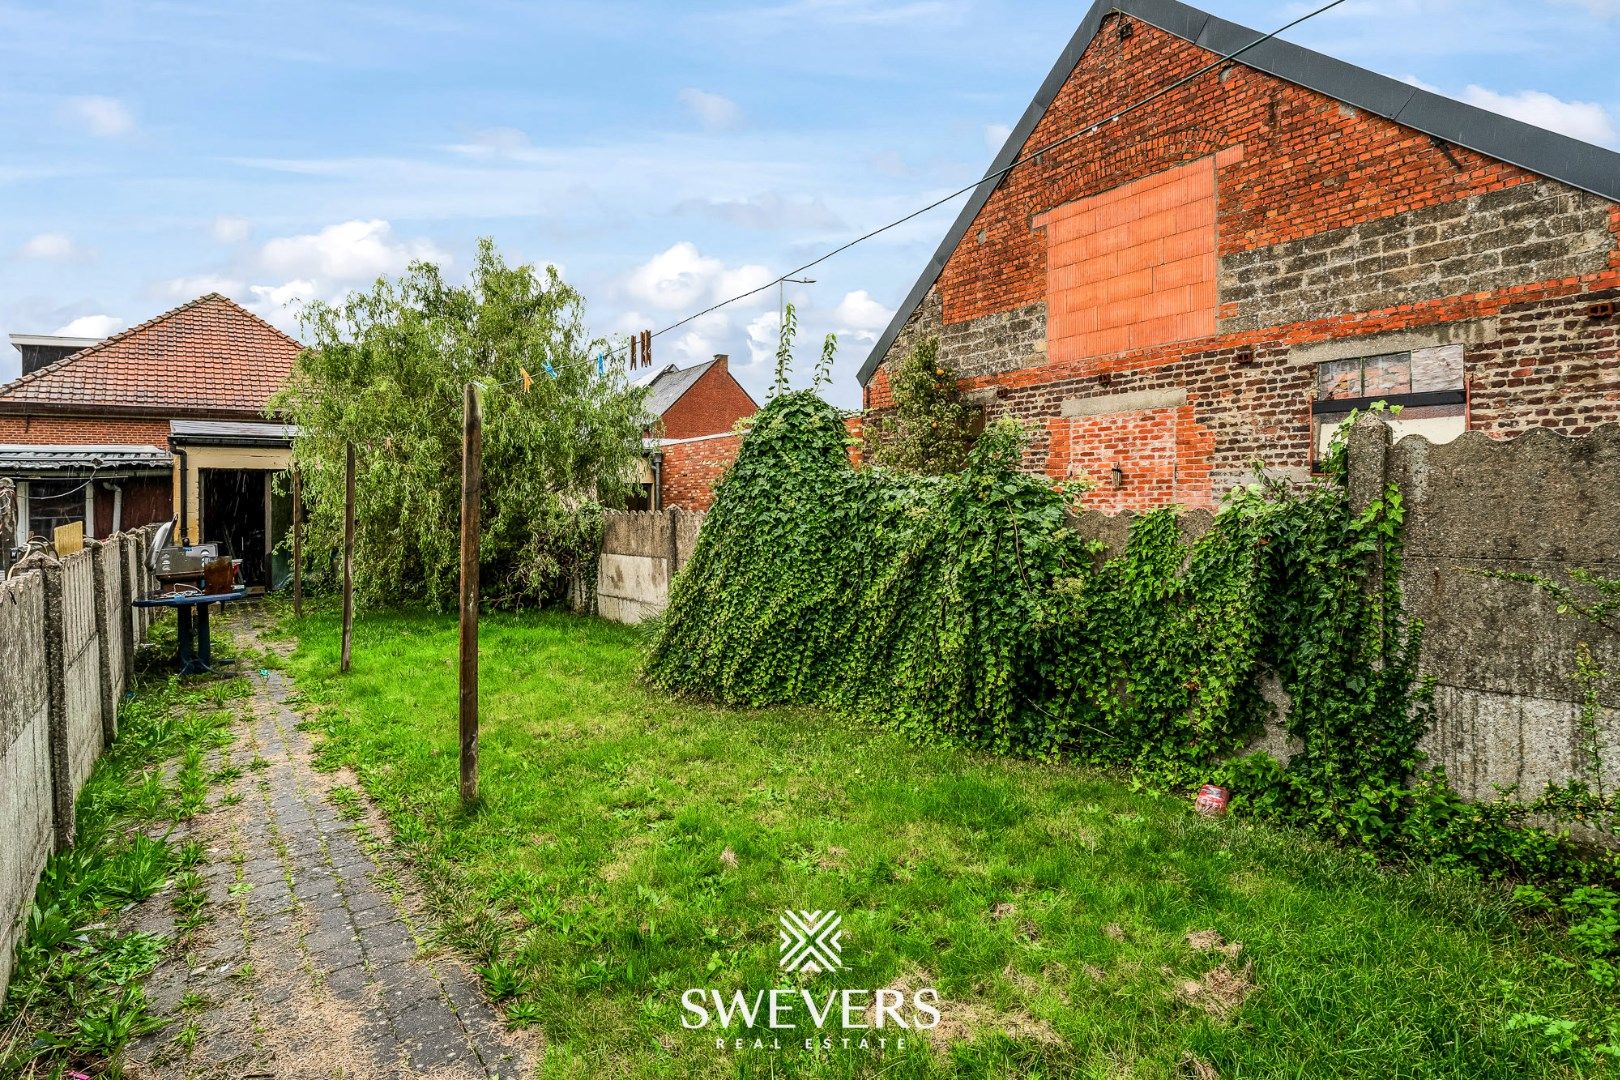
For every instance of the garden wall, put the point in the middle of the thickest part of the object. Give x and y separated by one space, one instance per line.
67 643
1508 702
642 551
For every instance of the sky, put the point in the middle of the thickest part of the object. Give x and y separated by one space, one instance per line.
663 155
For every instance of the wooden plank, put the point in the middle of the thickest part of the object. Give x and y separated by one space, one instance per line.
472 475
68 539
298 542
348 556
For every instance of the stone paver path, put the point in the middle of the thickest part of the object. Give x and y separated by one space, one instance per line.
312 963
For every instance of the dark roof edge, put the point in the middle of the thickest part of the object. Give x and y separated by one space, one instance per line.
1558 157
1021 132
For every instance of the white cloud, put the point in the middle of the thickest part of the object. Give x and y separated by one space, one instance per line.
996 135
90 326
347 253
189 288
861 317
1585 120
285 295
103 117
714 111
492 144
230 230
764 332
683 278
52 246
767 211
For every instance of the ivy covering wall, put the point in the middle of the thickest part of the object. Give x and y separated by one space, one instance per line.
964 606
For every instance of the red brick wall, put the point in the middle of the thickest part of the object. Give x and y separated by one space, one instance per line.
710 406
692 469
1310 163
1291 166
36 430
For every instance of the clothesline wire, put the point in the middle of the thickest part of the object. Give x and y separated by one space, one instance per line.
614 354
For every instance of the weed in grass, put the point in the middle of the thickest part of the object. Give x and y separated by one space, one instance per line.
186 1038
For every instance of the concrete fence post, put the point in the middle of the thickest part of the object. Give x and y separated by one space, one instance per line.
1368 463
673 517
128 563
53 634
100 589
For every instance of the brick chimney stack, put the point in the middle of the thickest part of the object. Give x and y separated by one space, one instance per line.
722 361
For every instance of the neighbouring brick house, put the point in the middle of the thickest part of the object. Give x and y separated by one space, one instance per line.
694 440
1221 275
166 419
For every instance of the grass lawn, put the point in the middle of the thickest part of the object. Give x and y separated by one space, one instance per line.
629 847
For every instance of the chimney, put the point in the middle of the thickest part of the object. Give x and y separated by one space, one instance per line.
721 360
39 350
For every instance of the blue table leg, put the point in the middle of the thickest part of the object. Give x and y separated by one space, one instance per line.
188 662
205 644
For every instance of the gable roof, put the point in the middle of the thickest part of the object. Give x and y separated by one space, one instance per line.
671 384
1558 157
207 357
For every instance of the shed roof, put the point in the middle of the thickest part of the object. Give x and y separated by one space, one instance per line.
29 457
233 432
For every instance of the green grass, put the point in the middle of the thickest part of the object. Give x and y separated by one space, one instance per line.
628 847
75 998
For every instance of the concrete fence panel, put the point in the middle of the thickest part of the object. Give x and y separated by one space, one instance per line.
82 666
67 647
642 551
26 814
1503 656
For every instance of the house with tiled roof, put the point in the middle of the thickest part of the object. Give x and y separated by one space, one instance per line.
164 420
692 441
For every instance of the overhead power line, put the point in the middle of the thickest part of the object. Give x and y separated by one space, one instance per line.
1081 131
996 174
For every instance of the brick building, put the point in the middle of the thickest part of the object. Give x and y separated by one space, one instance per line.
1222 274
692 443
166 419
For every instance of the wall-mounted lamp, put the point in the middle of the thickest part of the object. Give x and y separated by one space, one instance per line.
1117 476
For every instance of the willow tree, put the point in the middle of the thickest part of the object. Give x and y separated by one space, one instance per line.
386 369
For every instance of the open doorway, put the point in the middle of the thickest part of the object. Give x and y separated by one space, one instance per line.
235 515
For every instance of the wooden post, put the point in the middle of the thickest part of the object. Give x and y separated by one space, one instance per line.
472 470
348 555
298 542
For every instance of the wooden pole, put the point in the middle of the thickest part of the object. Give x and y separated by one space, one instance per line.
472 477
298 542
348 555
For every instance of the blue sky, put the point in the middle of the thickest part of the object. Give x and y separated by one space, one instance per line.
663 154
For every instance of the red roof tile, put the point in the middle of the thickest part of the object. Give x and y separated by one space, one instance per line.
210 355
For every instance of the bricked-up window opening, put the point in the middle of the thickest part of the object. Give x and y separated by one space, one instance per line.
1133 267
1426 383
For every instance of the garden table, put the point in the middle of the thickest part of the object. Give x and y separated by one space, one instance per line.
199 659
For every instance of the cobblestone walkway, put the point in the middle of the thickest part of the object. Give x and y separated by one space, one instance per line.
312 963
